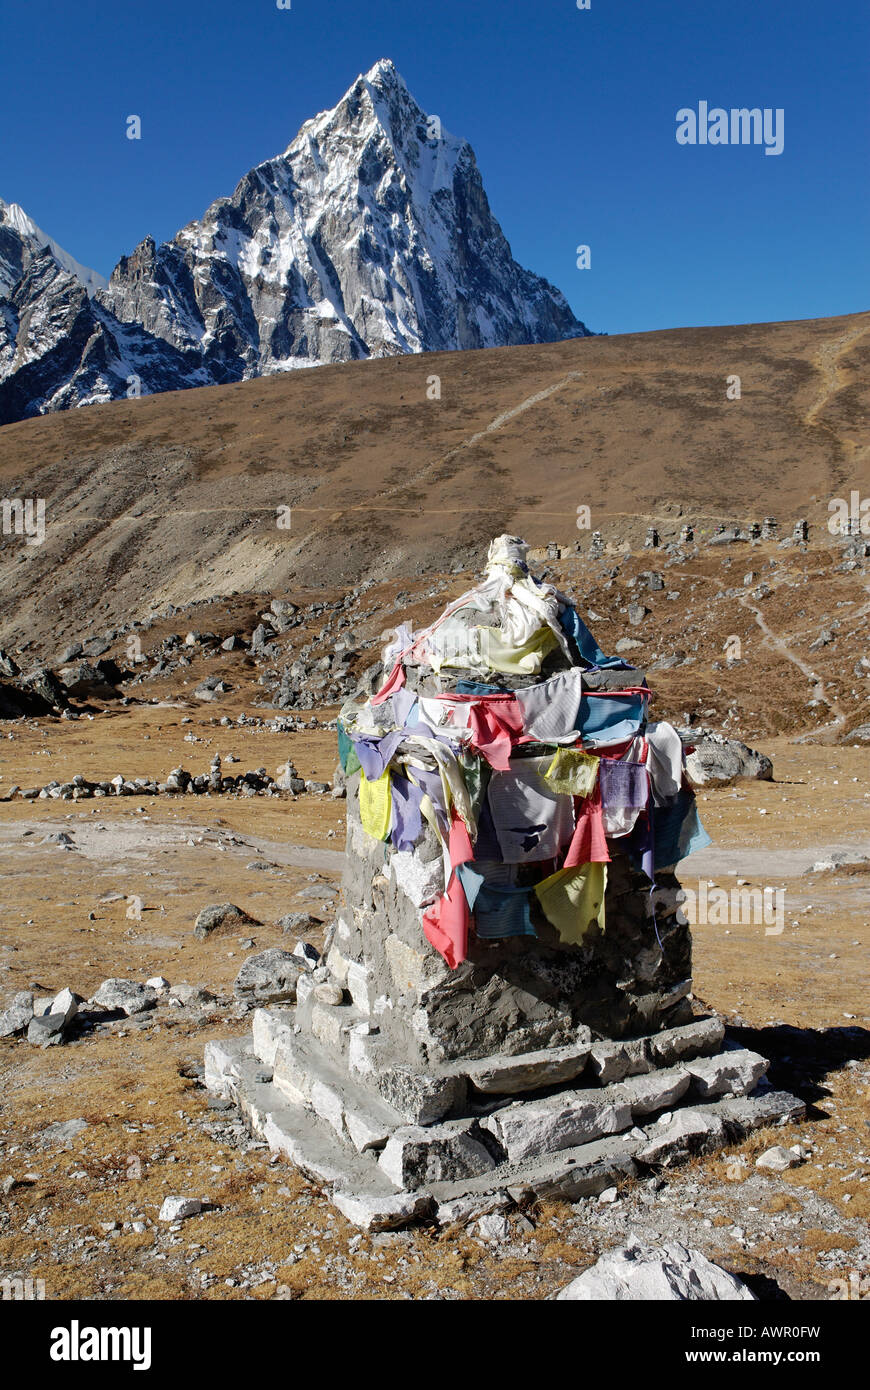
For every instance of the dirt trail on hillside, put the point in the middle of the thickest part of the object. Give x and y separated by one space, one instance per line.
825 731
834 378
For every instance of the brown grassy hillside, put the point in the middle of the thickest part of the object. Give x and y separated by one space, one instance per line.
175 497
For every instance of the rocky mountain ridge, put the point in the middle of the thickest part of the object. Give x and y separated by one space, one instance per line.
370 236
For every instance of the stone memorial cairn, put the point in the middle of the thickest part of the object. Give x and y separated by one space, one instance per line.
505 1008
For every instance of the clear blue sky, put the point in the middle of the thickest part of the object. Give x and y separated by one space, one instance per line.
571 115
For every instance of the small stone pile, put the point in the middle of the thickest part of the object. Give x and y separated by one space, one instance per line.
180 782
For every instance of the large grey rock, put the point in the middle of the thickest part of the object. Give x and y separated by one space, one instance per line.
221 1068
698 1039
414 1157
574 1173
658 1090
308 954
179 1208
611 1061
46 1030
382 1213
688 1132
127 995
61 1133
221 917
509 1075
718 760
532 1127
66 1003
650 579
17 1017
270 1028
299 923
742 1114
328 992
493 1227
638 1273
269 977
459 1210
419 1099
283 607
191 996
85 681
732 1073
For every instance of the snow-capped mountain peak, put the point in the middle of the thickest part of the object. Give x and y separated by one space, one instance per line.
371 235
13 216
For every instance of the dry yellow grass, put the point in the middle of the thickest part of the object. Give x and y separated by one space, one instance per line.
131 1091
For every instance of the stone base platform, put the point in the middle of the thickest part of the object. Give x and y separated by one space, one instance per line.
390 1146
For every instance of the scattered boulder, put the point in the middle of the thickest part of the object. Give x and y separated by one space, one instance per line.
221 917
718 760
650 579
17 1017
269 977
45 688
300 923
493 1227
86 681
19 700
128 996
96 646
179 1208
378 1213
66 1003
210 688
46 1030
670 1273
61 1133
840 859
778 1159
191 996
308 954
